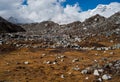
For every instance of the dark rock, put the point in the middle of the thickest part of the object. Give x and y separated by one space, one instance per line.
7 27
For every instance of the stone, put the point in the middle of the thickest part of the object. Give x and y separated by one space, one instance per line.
62 60
54 63
96 73
76 68
43 55
86 78
96 54
1 42
84 28
100 70
98 49
26 62
75 60
89 70
85 71
7 63
62 56
69 73
106 77
95 61
62 76
111 41
48 62
99 79
111 53
106 48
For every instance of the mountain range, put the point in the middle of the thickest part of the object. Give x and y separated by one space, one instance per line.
96 24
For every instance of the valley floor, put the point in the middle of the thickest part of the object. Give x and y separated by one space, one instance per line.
57 65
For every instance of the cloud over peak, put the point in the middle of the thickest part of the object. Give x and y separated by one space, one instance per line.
42 10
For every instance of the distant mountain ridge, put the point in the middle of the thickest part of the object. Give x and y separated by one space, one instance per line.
93 25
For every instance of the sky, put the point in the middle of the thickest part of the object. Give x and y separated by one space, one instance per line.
89 4
59 11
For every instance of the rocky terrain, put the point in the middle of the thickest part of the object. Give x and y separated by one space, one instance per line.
86 51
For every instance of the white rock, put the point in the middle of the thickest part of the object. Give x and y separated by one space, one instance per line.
62 60
69 73
54 63
96 73
62 56
106 48
104 52
96 54
84 71
95 60
26 62
99 79
43 55
111 41
106 77
87 78
111 53
7 63
76 68
99 49
75 60
84 28
48 62
62 76
0 42
100 70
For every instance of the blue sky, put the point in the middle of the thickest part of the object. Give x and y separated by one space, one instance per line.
24 2
89 4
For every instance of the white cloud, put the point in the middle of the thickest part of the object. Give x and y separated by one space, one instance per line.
41 10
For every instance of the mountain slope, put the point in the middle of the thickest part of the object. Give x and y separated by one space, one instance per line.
7 27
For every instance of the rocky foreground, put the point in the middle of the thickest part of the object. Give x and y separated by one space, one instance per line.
86 51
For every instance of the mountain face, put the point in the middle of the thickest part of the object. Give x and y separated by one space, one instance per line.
7 27
115 18
94 19
40 26
13 20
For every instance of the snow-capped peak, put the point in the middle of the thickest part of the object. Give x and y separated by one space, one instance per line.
103 10
106 10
